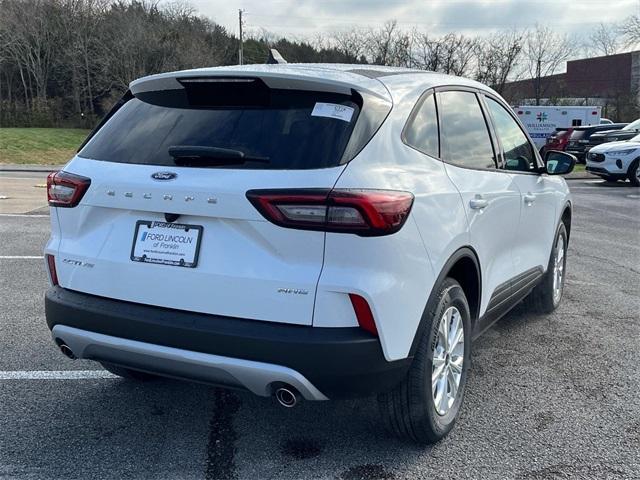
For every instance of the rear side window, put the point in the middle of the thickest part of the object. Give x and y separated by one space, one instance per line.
279 130
422 130
464 134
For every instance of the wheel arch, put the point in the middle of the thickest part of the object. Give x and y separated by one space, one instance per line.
630 171
464 267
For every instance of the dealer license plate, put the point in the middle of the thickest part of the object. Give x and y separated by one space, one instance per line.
166 243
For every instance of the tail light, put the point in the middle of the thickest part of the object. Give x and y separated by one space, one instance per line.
53 274
363 314
66 189
363 212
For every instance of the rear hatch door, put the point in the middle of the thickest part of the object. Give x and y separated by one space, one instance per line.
162 225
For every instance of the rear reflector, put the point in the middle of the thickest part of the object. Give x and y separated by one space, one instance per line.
66 189
53 274
363 314
363 212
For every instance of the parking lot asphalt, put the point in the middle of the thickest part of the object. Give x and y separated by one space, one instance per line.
549 397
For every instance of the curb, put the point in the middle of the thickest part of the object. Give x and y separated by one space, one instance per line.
581 177
29 168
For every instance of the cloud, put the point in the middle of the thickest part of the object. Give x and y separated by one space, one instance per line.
305 18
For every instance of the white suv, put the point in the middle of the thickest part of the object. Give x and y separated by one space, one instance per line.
616 161
311 231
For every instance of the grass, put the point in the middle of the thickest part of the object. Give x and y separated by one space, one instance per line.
42 146
580 167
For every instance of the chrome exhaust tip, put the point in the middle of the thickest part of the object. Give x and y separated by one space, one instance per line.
65 349
287 397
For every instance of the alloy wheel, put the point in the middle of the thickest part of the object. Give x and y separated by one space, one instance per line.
448 358
558 269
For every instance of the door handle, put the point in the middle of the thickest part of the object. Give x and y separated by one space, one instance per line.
478 203
529 198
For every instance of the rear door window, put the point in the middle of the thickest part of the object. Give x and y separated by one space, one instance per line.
464 133
283 130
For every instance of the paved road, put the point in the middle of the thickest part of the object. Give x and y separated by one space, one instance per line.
549 397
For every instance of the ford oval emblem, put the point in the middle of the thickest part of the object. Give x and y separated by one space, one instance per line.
164 176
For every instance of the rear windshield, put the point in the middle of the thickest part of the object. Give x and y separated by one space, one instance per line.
561 133
577 134
284 130
633 125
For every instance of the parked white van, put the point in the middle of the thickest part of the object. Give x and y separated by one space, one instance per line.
542 121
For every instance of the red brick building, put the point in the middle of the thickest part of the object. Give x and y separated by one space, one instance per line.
612 81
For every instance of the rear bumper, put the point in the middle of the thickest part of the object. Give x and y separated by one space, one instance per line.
320 362
257 377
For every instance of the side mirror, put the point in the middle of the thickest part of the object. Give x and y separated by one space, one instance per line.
559 163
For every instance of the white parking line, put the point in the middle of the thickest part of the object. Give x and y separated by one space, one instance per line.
55 375
21 257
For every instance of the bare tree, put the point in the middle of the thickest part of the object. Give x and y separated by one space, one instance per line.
498 57
458 52
351 43
631 30
544 51
604 40
388 45
32 41
453 54
63 58
428 52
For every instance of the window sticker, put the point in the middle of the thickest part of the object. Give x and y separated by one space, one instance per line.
333 110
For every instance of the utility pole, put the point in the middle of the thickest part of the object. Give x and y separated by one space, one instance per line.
240 52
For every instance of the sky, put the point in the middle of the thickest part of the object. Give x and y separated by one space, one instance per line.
305 18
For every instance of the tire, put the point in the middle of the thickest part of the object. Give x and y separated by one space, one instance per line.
127 373
409 411
634 173
545 297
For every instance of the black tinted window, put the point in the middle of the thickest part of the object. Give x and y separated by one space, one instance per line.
577 134
464 134
422 131
518 154
286 130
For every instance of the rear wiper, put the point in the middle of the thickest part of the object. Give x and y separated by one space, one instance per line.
196 155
